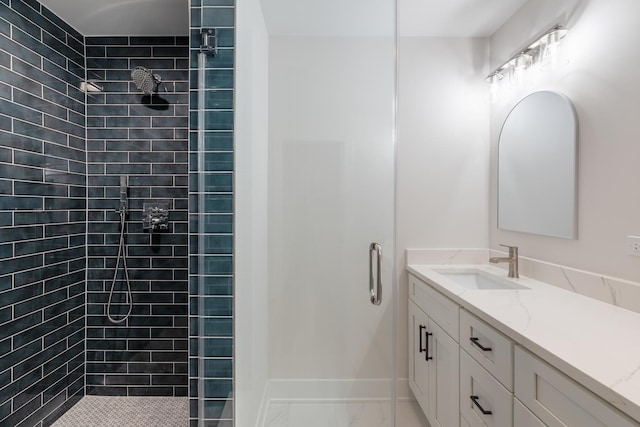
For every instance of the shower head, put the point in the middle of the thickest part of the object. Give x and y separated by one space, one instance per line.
145 80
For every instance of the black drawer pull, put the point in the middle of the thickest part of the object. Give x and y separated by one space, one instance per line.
422 328
474 399
475 342
426 355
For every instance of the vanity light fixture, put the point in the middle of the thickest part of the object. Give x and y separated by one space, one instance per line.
543 51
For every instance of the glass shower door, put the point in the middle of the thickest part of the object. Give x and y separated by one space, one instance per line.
331 195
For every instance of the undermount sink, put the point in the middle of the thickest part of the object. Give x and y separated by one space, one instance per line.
478 279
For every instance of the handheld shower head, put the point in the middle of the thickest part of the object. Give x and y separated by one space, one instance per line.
145 80
124 200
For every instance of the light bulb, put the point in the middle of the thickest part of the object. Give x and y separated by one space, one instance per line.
494 86
551 50
520 65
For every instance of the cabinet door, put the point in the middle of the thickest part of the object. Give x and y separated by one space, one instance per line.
522 417
444 408
463 422
418 365
559 401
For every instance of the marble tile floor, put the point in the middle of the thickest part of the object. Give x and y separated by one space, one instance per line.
350 414
112 411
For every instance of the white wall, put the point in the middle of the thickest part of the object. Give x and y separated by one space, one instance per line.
443 152
602 81
443 141
330 196
251 146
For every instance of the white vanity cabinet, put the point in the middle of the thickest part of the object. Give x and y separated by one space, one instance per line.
434 358
557 400
465 373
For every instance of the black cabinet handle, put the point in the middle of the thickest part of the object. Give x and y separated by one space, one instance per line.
475 342
426 355
474 399
422 328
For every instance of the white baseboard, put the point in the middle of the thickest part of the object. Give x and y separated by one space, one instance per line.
404 392
336 390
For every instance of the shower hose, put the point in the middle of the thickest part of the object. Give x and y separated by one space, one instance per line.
121 255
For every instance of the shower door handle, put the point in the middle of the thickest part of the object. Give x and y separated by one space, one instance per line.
375 283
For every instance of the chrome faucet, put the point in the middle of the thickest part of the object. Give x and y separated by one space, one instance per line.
512 259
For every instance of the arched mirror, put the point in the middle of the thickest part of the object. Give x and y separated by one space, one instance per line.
537 167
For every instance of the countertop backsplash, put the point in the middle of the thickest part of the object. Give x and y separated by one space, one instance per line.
618 292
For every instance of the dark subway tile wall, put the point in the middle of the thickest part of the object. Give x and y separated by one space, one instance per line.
127 135
42 215
211 218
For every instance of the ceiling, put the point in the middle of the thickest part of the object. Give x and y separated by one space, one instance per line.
124 17
454 18
427 18
443 18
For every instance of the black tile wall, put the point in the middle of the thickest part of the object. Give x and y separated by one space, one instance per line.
148 142
42 215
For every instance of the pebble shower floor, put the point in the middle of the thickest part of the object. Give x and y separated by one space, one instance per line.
108 411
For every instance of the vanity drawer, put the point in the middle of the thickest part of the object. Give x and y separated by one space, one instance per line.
480 391
488 347
438 307
559 401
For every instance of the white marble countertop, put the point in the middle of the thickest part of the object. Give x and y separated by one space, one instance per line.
594 343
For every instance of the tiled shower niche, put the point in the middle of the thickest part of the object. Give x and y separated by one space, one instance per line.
145 139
